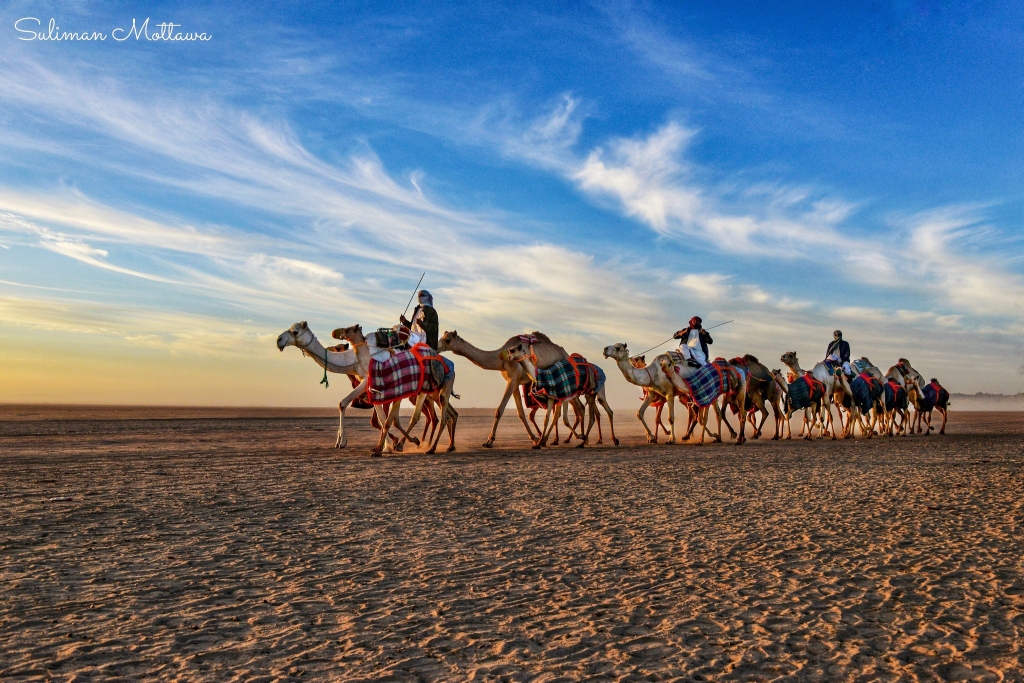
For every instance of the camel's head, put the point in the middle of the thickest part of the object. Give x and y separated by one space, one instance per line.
515 353
865 359
638 361
789 357
296 335
352 334
617 351
446 340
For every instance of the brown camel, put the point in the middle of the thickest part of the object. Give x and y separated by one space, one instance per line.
547 352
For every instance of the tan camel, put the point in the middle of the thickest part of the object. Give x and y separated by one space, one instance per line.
547 352
651 377
923 408
913 377
388 413
821 373
343 362
760 384
593 396
735 395
658 402
810 412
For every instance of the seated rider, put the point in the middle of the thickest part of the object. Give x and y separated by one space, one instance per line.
693 343
838 352
424 321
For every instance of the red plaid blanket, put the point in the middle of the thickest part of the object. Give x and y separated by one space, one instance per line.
404 374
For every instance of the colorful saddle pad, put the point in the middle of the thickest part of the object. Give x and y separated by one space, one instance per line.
406 373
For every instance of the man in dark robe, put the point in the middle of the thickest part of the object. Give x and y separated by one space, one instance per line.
424 319
838 351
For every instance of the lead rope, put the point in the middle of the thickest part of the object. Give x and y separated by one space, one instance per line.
327 385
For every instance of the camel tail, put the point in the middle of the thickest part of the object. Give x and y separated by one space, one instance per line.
454 395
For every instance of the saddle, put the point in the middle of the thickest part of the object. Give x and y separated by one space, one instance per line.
387 338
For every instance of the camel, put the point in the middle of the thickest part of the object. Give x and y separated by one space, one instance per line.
877 410
734 395
389 413
760 385
652 378
343 362
923 408
658 402
900 407
547 352
821 373
593 396
916 379
810 412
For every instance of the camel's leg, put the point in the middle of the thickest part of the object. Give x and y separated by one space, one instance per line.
670 402
594 417
416 412
342 439
741 403
602 399
511 387
550 421
592 401
453 421
651 438
657 421
386 418
702 418
945 414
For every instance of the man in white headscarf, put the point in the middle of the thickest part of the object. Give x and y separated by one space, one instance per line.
424 321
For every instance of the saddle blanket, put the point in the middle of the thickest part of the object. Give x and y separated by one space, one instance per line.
895 396
865 390
706 384
567 379
833 367
804 391
406 373
933 395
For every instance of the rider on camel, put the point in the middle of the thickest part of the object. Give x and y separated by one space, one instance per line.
838 351
424 321
693 343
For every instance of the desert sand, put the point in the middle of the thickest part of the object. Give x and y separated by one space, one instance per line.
238 545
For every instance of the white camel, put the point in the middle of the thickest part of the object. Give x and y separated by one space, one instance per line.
342 362
651 377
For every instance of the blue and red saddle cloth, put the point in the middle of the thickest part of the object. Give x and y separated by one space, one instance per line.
407 373
711 381
563 381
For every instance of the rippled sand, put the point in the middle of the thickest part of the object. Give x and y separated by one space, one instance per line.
244 548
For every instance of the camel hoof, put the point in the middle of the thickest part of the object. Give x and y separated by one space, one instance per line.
375 454
450 448
535 446
488 444
616 442
414 440
581 445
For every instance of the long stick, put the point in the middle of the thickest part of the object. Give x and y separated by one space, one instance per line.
414 290
673 337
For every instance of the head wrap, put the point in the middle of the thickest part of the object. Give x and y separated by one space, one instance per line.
425 298
695 321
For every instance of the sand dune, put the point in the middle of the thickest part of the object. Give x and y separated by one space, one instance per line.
247 549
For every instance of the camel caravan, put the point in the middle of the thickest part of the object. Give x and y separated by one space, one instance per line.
405 363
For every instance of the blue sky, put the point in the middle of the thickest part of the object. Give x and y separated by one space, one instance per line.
598 171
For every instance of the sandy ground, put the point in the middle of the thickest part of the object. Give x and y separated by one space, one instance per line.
241 546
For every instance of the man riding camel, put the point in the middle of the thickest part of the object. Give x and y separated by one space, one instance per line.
838 352
424 321
693 343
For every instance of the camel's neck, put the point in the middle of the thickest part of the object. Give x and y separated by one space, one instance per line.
795 367
641 377
488 360
333 361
